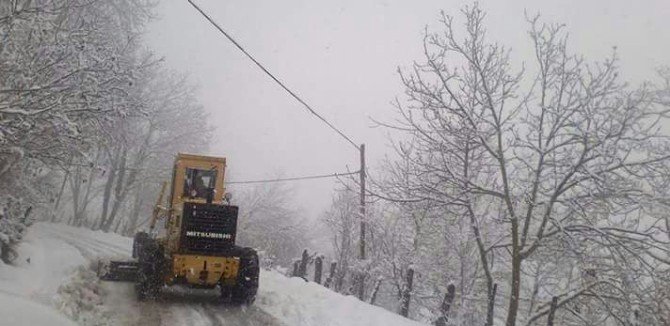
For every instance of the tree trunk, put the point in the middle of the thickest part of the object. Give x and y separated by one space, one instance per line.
60 195
536 290
119 191
552 311
107 194
75 187
448 301
87 194
491 288
491 305
407 293
375 290
126 179
118 225
135 212
516 283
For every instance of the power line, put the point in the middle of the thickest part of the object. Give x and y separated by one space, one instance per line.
307 106
332 175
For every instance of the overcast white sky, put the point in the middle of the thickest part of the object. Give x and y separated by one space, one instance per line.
342 58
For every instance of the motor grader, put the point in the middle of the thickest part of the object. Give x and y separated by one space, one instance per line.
196 247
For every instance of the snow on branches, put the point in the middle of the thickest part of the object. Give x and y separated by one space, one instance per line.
553 173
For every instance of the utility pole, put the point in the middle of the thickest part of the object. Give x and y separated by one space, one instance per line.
361 244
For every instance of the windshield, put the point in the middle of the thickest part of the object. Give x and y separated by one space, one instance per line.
196 182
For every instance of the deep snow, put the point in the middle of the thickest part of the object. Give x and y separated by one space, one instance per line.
58 282
15 310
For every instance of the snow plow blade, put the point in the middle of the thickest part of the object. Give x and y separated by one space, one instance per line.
118 271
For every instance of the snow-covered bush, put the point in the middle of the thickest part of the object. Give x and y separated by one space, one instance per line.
14 220
81 299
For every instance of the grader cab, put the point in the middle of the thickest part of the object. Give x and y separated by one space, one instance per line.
196 247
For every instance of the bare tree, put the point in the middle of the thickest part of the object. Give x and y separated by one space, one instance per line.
341 220
558 155
139 152
80 98
66 64
268 222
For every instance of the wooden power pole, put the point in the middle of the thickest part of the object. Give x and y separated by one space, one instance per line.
361 244
362 206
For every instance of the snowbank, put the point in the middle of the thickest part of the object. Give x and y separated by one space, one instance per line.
50 280
19 312
82 299
296 302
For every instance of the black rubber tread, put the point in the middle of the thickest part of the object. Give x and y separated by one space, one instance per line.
138 241
244 291
150 267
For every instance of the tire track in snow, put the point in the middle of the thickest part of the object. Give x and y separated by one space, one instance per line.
205 307
104 244
87 244
150 314
90 246
239 316
212 316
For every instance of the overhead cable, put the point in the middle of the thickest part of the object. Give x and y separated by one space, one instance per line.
332 175
293 94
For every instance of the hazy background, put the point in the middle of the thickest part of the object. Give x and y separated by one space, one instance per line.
342 58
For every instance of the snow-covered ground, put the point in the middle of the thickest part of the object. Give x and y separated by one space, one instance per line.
52 280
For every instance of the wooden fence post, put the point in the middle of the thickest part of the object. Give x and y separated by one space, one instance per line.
407 293
27 214
302 271
296 265
318 267
331 275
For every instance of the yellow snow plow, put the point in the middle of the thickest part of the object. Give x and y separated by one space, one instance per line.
196 246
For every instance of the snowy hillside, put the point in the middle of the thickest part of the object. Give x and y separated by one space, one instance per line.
52 279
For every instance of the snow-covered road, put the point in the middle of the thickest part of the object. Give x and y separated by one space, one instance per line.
52 279
181 308
174 307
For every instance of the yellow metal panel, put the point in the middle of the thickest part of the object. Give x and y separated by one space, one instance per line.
184 161
190 267
181 163
201 157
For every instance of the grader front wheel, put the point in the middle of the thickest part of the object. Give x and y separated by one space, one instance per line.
150 268
244 291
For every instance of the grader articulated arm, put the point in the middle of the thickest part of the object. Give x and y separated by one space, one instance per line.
158 209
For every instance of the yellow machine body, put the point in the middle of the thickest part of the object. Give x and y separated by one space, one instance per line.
197 245
203 270
192 269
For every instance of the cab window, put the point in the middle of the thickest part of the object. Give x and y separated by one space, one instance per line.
196 182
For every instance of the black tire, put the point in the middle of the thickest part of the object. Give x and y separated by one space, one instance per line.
244 292
226 293
150 269
139 241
